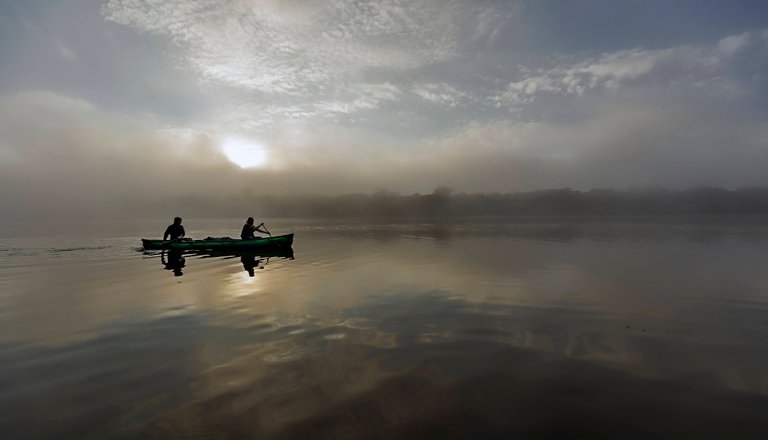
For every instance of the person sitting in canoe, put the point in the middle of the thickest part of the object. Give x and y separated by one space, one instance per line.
175 231
249 229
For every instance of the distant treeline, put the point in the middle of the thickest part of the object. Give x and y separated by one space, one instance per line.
446 202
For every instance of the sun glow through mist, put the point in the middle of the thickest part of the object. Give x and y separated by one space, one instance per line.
244 153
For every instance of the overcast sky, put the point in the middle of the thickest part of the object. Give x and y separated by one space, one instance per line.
101 100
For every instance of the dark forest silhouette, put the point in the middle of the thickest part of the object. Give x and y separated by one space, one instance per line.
444 202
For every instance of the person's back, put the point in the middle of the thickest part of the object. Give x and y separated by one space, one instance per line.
175 230
249 229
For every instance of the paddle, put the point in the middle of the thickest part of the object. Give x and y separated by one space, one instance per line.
265 229
278 244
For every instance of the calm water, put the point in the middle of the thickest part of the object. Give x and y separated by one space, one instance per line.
471 330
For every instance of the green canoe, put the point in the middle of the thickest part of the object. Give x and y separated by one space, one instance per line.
278 241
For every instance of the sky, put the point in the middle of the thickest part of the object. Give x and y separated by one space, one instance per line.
105 101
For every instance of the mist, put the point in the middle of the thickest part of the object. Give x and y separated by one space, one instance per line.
66 158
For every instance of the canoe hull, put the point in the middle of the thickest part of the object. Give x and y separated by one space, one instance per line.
278 241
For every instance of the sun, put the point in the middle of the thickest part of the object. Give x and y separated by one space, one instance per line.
244 153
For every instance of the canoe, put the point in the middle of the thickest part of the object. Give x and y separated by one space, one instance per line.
277 241
261 252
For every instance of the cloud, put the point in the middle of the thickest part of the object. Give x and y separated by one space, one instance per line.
62 154
65 52
439 93
672 140
399 71
300 60
730 45
298 47
609 71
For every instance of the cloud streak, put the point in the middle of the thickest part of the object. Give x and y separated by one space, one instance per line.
298 47
611 70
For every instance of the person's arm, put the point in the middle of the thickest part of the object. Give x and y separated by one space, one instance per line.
183 232
258 228
167 233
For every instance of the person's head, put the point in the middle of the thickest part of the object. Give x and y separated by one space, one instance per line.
250 220
177 220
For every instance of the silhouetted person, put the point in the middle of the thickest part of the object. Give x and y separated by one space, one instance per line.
175 230
175 261
249 229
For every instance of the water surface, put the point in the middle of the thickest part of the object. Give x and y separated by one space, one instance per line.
538 329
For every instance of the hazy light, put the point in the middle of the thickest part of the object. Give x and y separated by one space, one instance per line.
241 283
244 153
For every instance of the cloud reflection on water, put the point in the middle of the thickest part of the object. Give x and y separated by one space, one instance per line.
406 332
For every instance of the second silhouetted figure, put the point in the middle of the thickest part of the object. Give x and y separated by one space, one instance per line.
175 230
249 229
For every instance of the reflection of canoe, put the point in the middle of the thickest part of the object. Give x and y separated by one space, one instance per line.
278 241
274 251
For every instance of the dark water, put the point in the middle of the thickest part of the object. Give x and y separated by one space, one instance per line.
471 330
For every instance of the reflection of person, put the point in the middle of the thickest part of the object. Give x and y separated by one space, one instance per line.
250 263
175 261
175 230
248 229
